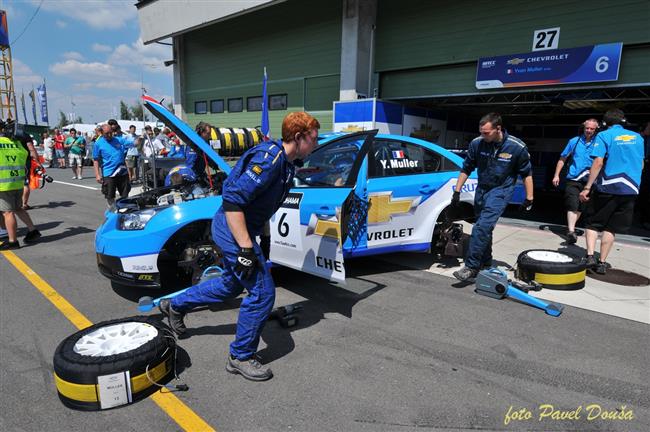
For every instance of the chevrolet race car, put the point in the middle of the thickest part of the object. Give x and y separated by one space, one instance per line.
356 195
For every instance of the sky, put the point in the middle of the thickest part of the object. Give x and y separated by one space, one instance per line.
90 54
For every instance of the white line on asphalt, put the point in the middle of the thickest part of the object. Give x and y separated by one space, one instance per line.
77 185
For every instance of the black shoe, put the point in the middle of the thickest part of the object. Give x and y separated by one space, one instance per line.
590 261
251 369
174 318
466 274
7 245
32 236
571 237
601 268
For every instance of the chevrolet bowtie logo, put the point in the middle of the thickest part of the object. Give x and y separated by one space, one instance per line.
324 227
625 138
383 207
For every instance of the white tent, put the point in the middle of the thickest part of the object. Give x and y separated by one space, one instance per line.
83 128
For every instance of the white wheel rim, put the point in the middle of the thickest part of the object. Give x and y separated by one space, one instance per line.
549 256
115 339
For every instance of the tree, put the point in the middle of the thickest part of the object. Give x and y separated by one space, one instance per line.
136 110
125 113
63 120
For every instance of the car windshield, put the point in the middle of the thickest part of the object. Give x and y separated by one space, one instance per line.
331 164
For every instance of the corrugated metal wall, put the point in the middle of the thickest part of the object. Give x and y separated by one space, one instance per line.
299 42
429 48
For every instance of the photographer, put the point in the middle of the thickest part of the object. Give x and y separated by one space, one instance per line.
578 151
14 156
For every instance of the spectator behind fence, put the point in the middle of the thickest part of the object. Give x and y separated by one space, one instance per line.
578 154
59 150
612 187
76 147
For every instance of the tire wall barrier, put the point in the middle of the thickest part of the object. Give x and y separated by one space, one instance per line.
567 275
82 379
235 141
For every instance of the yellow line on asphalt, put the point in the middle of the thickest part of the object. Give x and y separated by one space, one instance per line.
168 402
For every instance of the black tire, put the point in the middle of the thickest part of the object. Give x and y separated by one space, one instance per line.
568 275
76 375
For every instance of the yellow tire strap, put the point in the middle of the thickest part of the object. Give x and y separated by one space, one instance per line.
88 392
560 279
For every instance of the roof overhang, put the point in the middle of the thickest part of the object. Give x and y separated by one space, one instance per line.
160 19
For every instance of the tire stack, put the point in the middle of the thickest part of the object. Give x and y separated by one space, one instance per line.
88 362
552 269
235 141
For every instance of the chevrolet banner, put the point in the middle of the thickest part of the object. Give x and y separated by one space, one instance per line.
562 66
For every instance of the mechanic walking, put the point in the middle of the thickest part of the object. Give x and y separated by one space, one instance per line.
500 158
616 175
578 149
109 154
253 191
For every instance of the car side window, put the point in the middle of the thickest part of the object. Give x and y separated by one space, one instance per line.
329 165
394 158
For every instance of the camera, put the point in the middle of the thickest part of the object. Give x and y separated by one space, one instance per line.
40 171
8 128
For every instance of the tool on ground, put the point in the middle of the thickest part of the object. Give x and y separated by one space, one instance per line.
494 283
286 315
147 303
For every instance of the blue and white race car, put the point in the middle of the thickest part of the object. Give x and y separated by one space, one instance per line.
356 195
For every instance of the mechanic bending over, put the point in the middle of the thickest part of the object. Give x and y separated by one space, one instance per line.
252 193
500 158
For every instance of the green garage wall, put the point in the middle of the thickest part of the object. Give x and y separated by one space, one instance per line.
425 50
299 42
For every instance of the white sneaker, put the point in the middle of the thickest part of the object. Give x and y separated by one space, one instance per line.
74 178
3 233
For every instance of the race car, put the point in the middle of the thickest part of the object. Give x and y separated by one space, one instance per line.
356 195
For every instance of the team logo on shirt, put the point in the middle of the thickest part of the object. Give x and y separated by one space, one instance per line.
257 169
506 156
625 138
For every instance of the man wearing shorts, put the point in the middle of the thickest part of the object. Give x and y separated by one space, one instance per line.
578 150
59 150
615 176
76 146
110 170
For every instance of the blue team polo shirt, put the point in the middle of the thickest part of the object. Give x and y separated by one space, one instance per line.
258 183
623 153
111 152
580 150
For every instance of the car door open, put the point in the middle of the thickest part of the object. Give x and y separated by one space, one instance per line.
326 211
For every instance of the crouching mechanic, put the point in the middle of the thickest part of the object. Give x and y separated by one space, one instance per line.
500 158
253 191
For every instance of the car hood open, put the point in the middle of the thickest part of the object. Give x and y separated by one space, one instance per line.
184 132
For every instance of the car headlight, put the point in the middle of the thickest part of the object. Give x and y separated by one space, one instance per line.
137 220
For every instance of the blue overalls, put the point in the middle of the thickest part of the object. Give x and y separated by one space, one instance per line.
498 165
257 185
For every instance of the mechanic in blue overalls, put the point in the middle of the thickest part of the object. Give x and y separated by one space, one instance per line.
500 158
253 191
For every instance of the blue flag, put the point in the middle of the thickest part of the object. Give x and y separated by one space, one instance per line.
42 100
266 128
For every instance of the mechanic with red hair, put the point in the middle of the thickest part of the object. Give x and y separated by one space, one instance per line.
252 193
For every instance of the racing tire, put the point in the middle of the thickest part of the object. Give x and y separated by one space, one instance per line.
137 350
552 269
